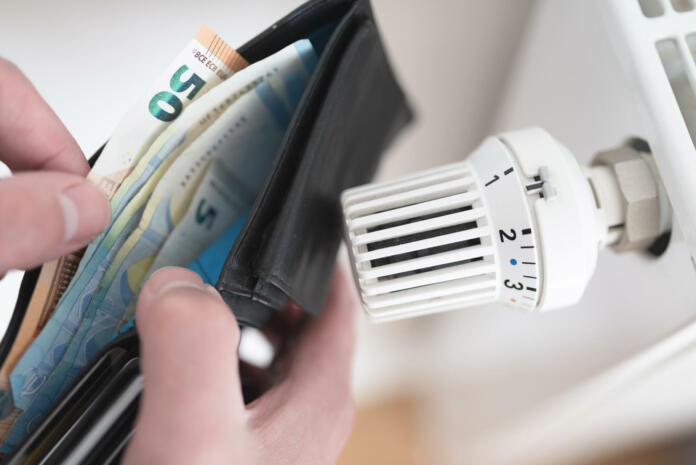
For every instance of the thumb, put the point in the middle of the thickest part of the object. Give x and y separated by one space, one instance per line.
44 215
192 401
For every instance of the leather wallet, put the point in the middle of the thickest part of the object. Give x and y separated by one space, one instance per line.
351 109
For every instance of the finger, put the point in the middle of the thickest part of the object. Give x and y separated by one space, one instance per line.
192 393
314 400
31 135
44 215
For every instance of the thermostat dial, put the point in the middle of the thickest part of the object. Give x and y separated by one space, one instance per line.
516 222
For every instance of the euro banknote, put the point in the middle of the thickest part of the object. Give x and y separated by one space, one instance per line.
205 62
128 204
209 264
47 349
41 305
256 122
217 201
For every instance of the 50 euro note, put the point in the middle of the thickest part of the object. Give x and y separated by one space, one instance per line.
255 126
205 62
128 204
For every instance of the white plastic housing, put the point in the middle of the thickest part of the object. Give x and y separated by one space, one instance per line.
516 222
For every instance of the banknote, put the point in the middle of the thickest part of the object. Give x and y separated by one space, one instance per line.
43 301
44 353
222 197
128 204
257 122
7 422
209 264
205 62
47 292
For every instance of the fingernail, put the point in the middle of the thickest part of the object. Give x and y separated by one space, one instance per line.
86 211
178 285
167 279
213 291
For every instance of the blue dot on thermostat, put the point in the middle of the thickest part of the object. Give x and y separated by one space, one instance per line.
513 261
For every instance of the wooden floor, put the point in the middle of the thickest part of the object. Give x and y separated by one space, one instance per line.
389 434
385 434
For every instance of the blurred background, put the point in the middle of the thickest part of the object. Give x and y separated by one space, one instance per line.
482 386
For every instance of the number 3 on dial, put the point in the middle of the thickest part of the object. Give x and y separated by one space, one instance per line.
517 286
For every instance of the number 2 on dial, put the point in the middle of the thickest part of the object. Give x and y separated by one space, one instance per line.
505 235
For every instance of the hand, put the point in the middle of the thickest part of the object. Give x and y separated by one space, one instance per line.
192 411
47 208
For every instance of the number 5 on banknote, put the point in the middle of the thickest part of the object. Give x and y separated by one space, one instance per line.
171 100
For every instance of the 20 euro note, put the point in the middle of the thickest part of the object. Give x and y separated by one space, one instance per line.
208 266
128 204
259 119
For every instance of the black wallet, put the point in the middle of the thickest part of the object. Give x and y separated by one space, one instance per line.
351 110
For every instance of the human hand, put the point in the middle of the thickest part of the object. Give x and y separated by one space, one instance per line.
47 208
192 411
